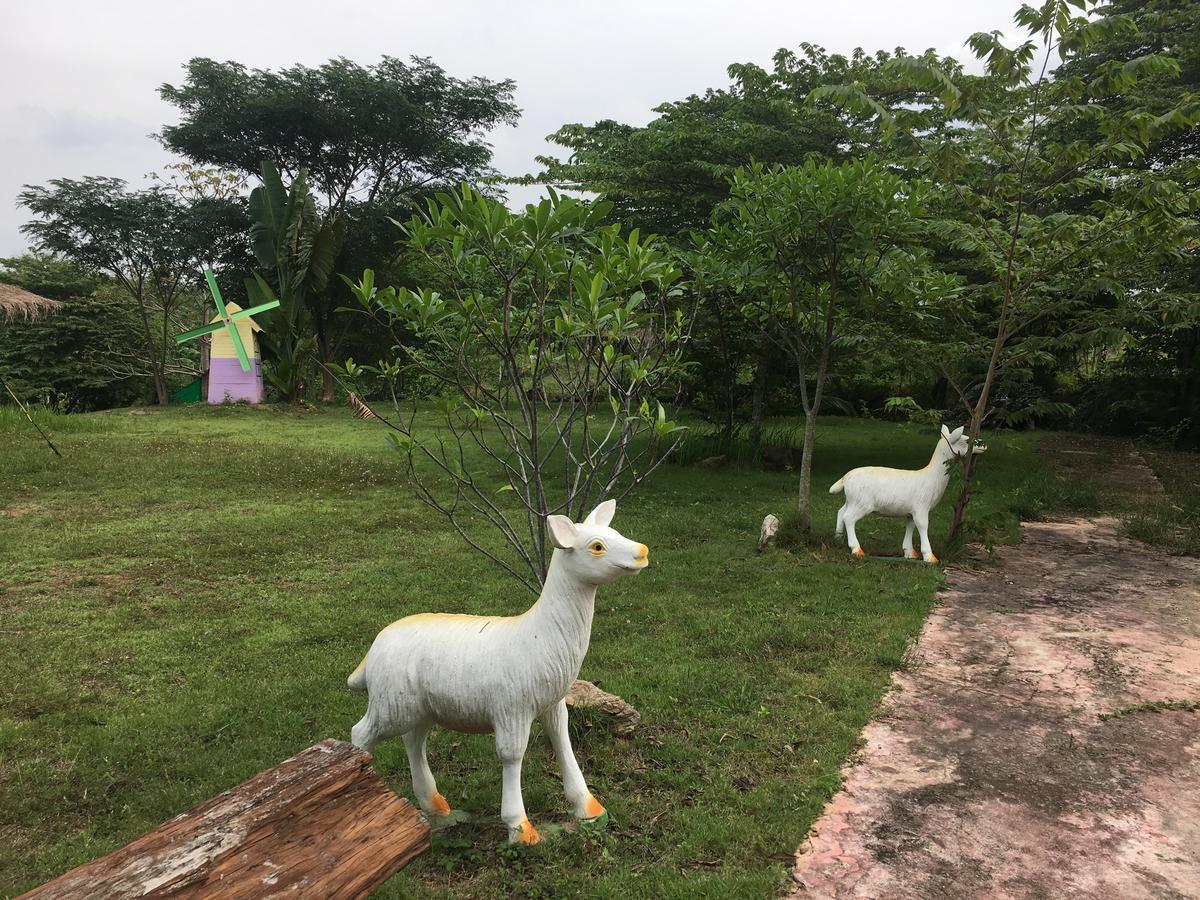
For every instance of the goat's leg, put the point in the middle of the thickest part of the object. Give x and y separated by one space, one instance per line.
906 548
511 740
424 787
851 537
585 806
921 520
841 525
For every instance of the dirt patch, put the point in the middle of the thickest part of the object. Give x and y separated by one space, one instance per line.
991 772
20 510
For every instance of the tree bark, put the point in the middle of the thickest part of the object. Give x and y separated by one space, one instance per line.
160 388
156 376
205 353
321 824
324 354
625 719
968 464
804 500
963 499
811 411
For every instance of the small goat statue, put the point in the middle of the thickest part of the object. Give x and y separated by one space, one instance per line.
497 674
901 492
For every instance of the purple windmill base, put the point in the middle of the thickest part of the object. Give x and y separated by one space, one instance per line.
227 383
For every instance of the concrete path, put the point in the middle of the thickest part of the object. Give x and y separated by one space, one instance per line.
990 772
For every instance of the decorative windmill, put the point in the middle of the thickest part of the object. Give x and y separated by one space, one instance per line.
235 372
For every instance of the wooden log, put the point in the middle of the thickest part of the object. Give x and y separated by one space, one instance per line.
321 824
625 719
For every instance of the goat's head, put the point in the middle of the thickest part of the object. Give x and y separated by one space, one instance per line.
593 552
960 443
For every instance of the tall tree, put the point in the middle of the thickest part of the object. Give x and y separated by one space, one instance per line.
1039 226
368 137
296 247
669 175
150 242
824 249
1160 357
1155 27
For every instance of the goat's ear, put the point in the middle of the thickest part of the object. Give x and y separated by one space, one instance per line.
602 514
562 532
957 432
945 431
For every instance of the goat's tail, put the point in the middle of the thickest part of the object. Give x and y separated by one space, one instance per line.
837 487
358 678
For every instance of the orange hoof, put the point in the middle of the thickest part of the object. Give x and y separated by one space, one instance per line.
439 805
913 554
858 552
526 834
931 559
592 809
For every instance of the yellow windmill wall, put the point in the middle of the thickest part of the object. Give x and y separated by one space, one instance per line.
222 346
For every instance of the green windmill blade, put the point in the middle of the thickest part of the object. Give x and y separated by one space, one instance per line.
255 310
238 346
216 293
227 321
198 332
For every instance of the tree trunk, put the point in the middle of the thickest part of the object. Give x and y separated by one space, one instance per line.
804 500
963 499
980 410
156 365
730 406
811 411
205 353
968 473
321 824
583 695
160 388
324 354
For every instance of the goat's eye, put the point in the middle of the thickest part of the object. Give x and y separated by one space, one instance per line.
597 547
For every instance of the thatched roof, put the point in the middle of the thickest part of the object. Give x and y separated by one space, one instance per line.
16 303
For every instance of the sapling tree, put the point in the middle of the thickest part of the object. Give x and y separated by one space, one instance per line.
552 336
1038 226
370 139
821 250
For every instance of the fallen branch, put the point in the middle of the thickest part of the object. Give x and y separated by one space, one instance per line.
585 695
17 400
321 824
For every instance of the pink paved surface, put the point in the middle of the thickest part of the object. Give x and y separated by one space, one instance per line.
989 772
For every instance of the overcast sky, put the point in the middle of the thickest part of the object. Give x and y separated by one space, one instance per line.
79 78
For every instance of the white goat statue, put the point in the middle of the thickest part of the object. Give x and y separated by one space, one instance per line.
480 674
901 492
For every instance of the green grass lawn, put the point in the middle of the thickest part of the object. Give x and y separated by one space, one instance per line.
183 594
1171 522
